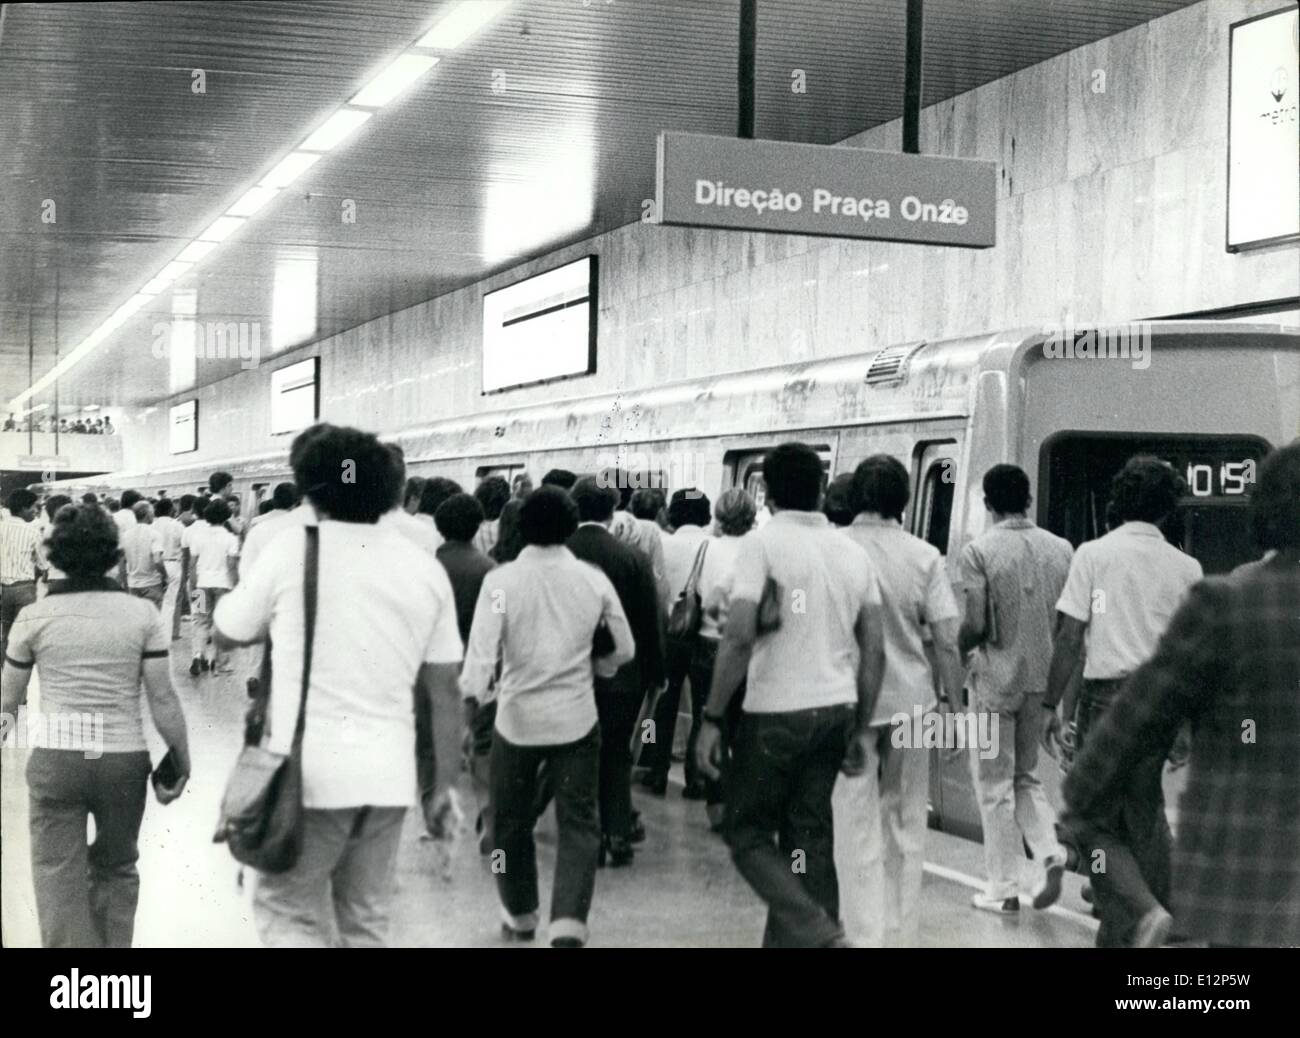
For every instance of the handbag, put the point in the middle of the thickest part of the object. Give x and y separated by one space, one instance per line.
686 614
261 811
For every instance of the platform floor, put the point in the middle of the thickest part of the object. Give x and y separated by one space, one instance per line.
682 890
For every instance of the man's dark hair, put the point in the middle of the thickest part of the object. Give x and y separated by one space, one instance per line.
304 439
187 502
548 516
285 496
347 474
838 504
509 540
54 503
130 498
414 488
647 503
163 507
82 542
492 493
793 474
90 498
562 478
435 492
458 517
1007 489
20 500
1275 502
217 511
264 506
596 501
881 485
112 504
621 481
689 507
218 481
1146 489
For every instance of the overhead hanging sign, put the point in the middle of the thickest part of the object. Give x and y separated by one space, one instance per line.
1264 130
757 185
44 462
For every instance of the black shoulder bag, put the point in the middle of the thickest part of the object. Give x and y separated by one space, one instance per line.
261 811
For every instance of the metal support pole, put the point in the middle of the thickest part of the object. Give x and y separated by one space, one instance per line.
912 80
745 69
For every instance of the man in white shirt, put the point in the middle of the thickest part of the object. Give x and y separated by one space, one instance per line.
540 615
287 512
169 531
880 815
125 515
209 561
385 626
1121 593
19 540
142 557
805 632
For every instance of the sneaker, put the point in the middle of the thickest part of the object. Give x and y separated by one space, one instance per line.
508 933
1049 887
1001 905
565 942
1153 929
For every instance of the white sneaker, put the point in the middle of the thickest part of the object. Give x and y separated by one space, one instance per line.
1049 887
1153 929
1001 905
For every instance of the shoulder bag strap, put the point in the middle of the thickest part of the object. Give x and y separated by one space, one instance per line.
693 580
310 573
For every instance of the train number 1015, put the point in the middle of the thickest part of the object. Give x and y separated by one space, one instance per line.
1234 478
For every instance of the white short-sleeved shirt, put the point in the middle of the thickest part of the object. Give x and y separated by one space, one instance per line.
141 548
1126 586
384 607
210 547
266 528
825 581
915 593
716 575
169 532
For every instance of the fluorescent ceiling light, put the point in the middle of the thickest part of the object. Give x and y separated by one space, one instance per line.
176 268
396 79
465 19
289 169
222 228
253 200
195 251
336 129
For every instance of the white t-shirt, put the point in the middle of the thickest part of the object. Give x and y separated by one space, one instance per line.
210 547
1126 586
418 529
169 532
125 519
384 607
266 528
825 581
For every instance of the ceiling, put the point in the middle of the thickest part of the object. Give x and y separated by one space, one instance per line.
453 182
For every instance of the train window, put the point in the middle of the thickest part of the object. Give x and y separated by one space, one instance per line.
936 504
748 469
1211 523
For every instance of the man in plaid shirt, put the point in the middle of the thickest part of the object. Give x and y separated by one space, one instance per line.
1229 663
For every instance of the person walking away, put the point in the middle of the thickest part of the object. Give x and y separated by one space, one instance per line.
143 572
805 632
733 515
1228 663
459 519
169 532
539 615
19 540
93 646
209 561
619 697
385 625
492 493
1012 575
1121 593
124 515
689 514
45 570
880 814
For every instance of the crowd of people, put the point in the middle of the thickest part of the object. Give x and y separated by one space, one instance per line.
543 640
79 426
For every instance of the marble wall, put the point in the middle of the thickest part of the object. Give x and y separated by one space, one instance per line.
1111 206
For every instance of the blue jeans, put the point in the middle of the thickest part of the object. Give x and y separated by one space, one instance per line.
573 770
86 895
782 774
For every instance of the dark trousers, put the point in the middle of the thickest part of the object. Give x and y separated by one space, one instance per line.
86 896
1127 854
574 770
658 756
425 759
702 660
780 782
13 597
618 704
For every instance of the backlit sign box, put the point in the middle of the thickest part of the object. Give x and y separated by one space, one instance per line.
183 427
756 185
1264 130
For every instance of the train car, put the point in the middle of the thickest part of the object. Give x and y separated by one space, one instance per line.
1068 406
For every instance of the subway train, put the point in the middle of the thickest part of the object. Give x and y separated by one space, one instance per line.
1069 406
